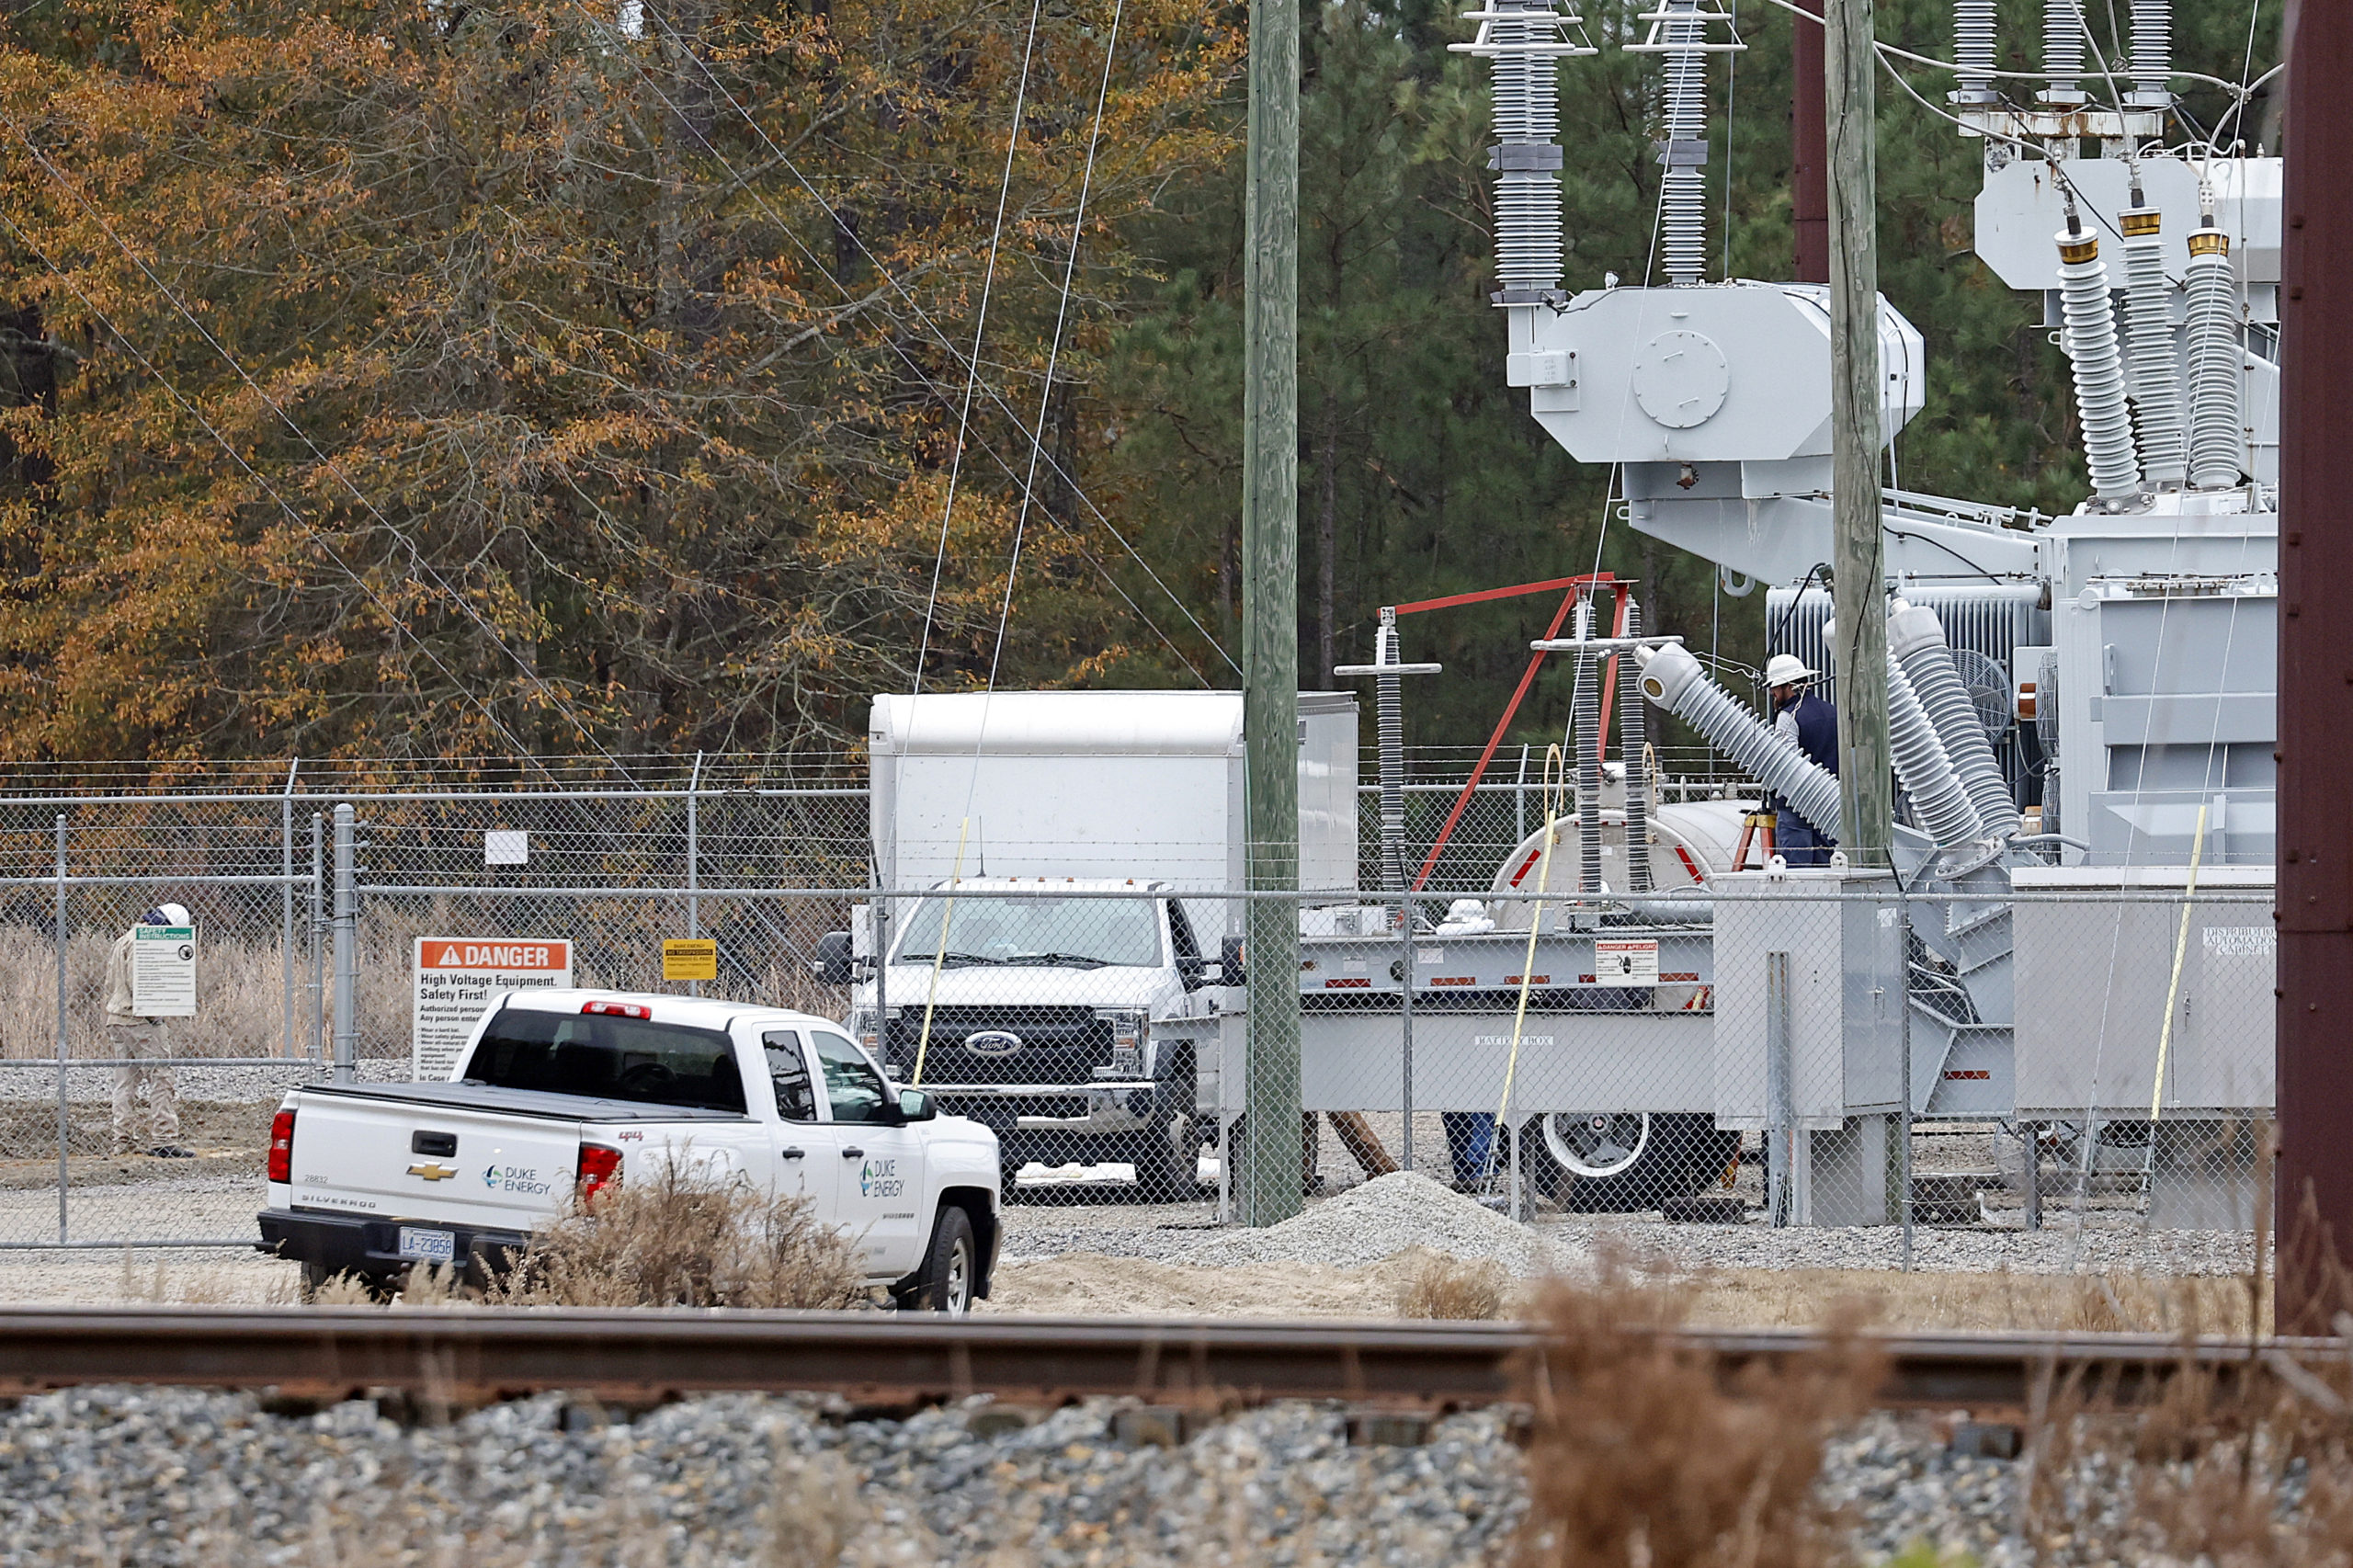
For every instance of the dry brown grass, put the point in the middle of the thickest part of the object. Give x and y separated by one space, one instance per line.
1439 1285
1644 1456
663 1239
1994 1302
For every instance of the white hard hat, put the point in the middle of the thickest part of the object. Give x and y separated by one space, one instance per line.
1788 669
173 914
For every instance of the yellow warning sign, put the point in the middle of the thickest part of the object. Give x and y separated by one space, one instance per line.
689 957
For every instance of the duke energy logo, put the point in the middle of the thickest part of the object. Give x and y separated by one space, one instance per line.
879 1178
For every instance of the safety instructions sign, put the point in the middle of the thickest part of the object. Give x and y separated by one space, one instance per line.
162 971
455 978
1625 963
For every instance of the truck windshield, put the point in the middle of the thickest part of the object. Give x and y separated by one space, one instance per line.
1075 933
610 1058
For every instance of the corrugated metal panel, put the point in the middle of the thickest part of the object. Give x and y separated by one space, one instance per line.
1993 619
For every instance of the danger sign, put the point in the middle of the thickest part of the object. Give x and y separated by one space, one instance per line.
455 978
1625 963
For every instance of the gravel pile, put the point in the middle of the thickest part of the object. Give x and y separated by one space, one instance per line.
1378 1220
187 1477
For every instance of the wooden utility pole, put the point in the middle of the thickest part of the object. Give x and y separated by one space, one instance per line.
2316 841
1272 1162
1858 549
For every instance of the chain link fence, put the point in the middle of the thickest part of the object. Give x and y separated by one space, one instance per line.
1815 1068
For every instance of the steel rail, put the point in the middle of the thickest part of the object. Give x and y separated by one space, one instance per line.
469 1353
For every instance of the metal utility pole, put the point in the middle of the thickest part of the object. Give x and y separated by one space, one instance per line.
347 950
1809 172
1858 549
1273 1159
2315 872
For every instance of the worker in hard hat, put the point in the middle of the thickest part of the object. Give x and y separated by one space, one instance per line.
1812 725
146 1098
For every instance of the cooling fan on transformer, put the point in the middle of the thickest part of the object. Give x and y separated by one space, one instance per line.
1989 690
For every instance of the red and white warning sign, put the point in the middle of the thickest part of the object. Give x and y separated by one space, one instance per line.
455 979
1625 963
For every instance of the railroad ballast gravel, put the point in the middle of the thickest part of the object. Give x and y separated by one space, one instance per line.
175 1476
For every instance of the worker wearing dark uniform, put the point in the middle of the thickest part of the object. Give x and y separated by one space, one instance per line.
1813 725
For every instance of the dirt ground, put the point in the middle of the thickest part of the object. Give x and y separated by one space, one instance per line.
1092 1284
1730 1298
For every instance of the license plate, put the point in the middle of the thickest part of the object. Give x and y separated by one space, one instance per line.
428 1246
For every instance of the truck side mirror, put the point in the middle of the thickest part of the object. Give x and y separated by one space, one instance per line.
915 1106
1229 961
833 963
1193 970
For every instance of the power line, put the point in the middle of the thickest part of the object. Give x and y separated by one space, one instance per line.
416 556
316 536
898 287
973 367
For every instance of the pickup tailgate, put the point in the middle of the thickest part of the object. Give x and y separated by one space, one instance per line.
393 1154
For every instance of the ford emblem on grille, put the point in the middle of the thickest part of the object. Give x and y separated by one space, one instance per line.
992 1042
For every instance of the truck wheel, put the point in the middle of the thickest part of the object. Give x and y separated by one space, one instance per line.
945 1282
1621 1162
1168 1167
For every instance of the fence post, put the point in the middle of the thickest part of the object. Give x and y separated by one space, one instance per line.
318 928
1405 1028
1904 1050
1781 1135
286 897
347 918
694 864
63 1042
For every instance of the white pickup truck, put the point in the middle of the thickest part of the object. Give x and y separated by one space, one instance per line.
565 1090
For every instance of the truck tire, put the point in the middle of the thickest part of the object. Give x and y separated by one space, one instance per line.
1621 1162
1167 1168
951 1266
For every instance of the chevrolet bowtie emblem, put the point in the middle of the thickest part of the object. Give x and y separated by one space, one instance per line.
433 1173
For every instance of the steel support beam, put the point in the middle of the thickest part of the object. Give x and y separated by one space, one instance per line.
1809 155
2315 838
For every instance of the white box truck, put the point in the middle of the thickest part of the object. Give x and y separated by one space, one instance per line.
1060 997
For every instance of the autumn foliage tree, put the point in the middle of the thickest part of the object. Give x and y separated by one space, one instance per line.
436 378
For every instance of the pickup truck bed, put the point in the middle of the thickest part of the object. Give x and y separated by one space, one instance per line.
471 1096
370 1178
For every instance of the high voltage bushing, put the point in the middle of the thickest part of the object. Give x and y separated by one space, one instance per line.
1672 679
2063 52
2089 332
1678 30
1523 43
1928 774
1916 640
2217 363
2156 373
2152 55
1585 742
1632 740
1972 51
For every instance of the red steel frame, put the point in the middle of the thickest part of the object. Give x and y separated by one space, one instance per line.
1527 679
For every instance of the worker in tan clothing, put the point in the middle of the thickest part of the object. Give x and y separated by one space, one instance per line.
153 1126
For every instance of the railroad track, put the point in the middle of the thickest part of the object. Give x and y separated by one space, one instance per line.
466 1356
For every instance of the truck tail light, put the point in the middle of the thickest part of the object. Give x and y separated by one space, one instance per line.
281 1146
618 1009
600 1167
